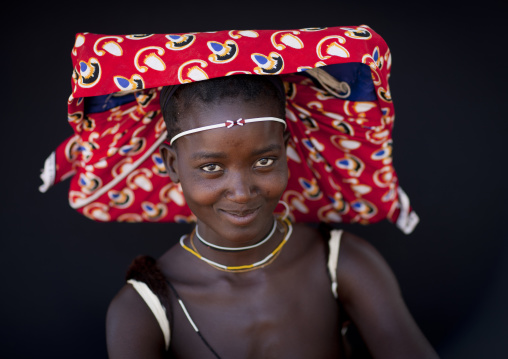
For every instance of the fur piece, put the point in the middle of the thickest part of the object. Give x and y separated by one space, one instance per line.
145 269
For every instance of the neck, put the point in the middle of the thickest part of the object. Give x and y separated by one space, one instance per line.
236 249
235 256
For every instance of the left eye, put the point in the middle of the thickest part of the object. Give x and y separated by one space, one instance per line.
264 162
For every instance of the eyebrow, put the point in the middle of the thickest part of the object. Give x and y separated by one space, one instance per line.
203 155
269 148
207 155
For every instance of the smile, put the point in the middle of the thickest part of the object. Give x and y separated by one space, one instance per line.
240 217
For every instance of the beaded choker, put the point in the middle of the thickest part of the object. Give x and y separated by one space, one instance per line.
264 240
243 268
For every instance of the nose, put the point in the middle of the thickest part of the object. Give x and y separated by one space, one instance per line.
241 186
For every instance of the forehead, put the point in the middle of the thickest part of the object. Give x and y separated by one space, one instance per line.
251 134
227 109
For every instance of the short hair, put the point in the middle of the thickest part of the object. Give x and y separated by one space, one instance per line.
245 87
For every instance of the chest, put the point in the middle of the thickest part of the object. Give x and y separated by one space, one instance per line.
292 315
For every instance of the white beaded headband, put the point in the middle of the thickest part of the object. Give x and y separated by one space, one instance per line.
227 124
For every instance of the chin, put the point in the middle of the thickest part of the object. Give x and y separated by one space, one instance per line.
238 226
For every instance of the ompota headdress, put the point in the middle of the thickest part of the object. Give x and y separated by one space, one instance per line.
339 112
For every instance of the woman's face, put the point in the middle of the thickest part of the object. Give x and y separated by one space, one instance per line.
232 179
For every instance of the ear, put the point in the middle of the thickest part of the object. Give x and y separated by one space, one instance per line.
169 156
286 136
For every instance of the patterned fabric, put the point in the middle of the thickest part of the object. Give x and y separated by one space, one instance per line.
339 112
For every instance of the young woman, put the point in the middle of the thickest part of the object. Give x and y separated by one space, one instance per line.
246 283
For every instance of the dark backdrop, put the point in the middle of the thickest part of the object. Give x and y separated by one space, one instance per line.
60 270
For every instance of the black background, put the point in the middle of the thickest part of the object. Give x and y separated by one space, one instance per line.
60 270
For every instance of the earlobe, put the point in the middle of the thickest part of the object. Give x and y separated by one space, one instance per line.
169 156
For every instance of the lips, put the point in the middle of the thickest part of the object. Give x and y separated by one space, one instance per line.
241 213
240 216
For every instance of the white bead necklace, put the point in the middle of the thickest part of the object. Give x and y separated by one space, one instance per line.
264 240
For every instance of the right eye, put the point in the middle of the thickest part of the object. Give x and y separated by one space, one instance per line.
212 168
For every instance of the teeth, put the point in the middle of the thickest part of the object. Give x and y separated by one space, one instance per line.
241 214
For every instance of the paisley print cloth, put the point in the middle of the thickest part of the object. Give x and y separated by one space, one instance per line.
339 112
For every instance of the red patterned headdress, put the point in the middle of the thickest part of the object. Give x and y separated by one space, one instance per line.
338 110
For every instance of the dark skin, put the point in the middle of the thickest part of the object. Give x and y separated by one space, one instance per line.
232 180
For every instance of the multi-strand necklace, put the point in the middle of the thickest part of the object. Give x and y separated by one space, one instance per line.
263 241
243 268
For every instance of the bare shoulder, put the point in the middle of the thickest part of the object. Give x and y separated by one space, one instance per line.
305 239
361 265
132 331
371 295
303 231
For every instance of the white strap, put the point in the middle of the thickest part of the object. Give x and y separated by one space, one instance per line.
333 257
155 306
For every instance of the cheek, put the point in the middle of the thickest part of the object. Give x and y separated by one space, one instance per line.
276 184
199 192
